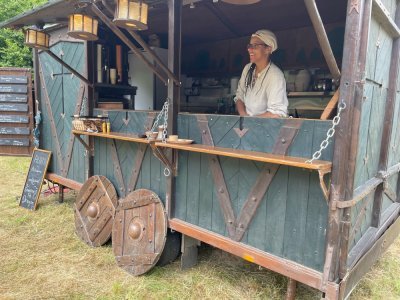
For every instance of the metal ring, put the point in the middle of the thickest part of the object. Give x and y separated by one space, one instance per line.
167 172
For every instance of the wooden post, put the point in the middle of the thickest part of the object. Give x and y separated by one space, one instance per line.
388 123
322 38
89 63
60 193
359 74
174 62
291 289
344 137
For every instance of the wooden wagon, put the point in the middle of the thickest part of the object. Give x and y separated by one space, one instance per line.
246 185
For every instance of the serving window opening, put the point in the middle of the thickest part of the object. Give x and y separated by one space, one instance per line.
214 54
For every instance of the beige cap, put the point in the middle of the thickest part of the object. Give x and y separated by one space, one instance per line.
267 37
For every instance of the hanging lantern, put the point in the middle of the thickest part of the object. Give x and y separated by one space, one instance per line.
131 14
241 2
83 27
37 39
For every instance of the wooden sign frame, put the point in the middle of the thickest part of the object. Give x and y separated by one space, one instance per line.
41 180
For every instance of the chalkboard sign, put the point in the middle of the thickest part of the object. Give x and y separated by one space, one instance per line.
14 119
19 89
34 179
13 98
14 107
13 79
14 142
15 130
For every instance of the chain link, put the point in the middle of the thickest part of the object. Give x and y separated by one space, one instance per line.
329 134
162 113
165 132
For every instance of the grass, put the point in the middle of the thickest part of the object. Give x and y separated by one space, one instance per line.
42 258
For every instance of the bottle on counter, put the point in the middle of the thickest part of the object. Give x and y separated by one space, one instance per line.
104 127
108 126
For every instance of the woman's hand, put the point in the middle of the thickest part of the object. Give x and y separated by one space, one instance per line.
241 108
268 115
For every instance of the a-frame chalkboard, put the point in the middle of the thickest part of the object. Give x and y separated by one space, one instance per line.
34 178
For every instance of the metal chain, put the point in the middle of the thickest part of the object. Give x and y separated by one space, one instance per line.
329 134
165 132
162 113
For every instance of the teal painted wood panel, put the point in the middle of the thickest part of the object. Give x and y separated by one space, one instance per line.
372 118
63 91
151 175
296 214
360 175
291 219
276 212
316 225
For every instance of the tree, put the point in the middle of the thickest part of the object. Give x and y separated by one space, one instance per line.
13 53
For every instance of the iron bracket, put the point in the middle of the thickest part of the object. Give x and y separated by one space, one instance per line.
87 147
325 189
172 166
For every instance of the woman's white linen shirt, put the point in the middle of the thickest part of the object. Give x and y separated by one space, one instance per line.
268 95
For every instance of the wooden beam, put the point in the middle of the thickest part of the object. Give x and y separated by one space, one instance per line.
72 184
283 266
330 108
343 174
322 38
174 64
380 12
291 161
67 66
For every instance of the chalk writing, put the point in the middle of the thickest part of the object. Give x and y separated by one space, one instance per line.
34 179
15 130
13 98
13 79
14 119
19 89
14 107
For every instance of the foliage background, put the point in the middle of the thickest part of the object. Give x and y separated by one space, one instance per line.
13 53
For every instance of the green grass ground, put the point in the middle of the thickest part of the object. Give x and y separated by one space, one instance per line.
42 258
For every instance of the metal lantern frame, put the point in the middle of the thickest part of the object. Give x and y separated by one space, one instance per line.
36 38
83 27
131 14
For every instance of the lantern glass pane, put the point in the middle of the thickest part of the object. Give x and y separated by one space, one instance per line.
122 9
134 11
78 23
145 11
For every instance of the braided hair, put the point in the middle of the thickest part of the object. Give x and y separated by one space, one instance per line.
249 76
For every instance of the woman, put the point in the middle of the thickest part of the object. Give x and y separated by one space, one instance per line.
262 88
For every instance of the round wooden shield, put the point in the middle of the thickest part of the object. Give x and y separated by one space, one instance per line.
139 231
94 210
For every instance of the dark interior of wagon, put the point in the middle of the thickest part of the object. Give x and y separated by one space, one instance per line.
214 38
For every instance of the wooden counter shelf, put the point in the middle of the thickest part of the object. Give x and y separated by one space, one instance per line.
113 135
252 155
